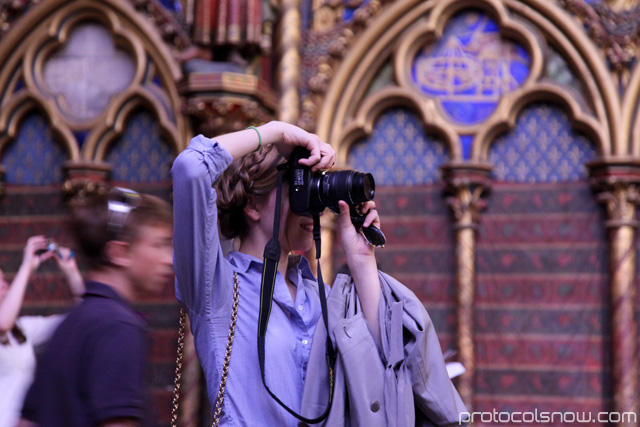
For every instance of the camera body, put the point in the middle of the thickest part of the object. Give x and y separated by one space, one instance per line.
51 246
311 192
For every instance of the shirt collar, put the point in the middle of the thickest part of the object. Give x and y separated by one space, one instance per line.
243 263
103 290
302 264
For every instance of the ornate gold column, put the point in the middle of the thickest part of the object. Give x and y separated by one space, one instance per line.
618 187
288 51
466 185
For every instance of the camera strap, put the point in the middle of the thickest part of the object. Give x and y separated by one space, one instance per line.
269 271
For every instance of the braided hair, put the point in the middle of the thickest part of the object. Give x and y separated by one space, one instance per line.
248 178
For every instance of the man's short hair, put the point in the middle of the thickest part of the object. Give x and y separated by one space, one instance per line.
90 224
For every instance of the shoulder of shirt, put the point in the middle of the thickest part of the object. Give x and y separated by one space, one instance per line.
241 261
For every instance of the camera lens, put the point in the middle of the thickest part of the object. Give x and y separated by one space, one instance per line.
351 186
364 183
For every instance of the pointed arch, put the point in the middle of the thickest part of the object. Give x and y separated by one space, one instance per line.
374 105
405 25
46 28
98 142
512 105
21 105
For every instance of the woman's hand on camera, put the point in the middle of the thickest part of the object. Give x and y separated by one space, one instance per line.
322 156
31 258
66 260
361 260
354 244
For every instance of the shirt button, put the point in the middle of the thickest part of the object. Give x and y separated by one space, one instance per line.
305 342
300 308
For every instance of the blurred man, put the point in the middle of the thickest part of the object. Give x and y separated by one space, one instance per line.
93 369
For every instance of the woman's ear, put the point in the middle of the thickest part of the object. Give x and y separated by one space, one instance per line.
117 253
251 210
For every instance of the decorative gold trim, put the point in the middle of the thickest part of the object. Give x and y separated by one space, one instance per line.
630 120
84 179
289 60
228 82
222 102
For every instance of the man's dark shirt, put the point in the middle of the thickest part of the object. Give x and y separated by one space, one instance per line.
93 368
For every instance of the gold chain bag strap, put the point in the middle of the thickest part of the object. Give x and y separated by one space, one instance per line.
225 368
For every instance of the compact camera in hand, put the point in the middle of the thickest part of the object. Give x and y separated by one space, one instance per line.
51 246
310 193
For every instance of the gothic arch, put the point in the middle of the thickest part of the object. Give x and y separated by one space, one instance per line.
404 25
97 145
512 104
46 28
15 111
585 61
62 26
374 105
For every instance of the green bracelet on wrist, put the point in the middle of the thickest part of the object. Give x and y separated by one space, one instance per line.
259 137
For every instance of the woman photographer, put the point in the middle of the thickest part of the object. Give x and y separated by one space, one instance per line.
19 335
238 173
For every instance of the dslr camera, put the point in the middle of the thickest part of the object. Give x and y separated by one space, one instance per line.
311 192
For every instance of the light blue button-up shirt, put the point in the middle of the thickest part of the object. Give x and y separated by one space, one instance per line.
204 285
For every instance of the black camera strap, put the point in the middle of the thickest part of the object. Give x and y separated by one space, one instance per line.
269 271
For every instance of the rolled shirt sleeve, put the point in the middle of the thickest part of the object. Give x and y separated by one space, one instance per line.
198 256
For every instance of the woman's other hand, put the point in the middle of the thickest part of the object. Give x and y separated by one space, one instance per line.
31 257
66 260
353 242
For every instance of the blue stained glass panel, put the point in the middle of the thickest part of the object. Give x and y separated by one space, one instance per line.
541 148
399 152
34 157
470 67
140 155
